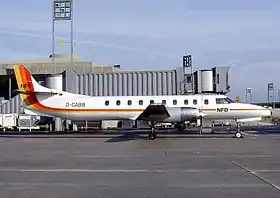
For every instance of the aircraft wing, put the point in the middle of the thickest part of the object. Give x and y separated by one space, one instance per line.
154 112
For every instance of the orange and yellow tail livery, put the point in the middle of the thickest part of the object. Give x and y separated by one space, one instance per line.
25 85
28 87
24 79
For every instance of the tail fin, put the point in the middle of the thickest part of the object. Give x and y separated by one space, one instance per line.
26 83
29 88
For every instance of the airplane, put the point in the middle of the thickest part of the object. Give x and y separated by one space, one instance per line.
175 109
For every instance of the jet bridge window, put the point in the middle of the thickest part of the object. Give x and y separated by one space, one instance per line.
195 102
174 102
106 102
129 102
118 102
206 101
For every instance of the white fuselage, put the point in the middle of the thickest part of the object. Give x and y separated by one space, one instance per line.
93 108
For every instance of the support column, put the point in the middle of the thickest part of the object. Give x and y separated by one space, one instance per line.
58 124
56 82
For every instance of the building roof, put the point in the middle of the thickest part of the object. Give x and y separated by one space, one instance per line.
61 62
59 58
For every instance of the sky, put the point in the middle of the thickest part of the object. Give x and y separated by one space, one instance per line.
241 34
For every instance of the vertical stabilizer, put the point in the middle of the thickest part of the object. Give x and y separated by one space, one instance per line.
26 82
29 88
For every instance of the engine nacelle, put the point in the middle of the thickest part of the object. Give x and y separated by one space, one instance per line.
182 114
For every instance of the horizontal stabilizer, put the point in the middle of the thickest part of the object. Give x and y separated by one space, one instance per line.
35 92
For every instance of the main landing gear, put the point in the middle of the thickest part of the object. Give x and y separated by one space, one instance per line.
180 126
152 133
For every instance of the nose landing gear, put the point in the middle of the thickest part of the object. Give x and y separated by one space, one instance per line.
238 134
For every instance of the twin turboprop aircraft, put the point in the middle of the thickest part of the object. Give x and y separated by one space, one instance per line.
176 109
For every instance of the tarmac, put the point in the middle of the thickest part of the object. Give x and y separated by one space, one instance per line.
130 165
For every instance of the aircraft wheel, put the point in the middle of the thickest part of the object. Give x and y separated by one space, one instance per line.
152 134
238 135
155 135
180 127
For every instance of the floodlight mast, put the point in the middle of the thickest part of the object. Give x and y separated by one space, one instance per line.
62 10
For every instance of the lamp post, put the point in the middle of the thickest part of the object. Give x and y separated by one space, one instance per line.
248 95
270 88
62 11
188 75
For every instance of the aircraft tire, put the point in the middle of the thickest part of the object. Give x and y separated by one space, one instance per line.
152 135
180 127
238 135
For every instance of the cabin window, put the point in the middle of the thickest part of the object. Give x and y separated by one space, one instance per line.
106 102
129 102
163 102
118 102
140 102
152 101
186 102
174 102
195 102
206 101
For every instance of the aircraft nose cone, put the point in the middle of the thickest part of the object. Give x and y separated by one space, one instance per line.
269 113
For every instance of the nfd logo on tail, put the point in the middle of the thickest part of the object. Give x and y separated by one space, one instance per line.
26 85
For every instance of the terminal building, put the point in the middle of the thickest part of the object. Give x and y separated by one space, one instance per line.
88 78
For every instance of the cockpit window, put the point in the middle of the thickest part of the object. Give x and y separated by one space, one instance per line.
224 101
229 100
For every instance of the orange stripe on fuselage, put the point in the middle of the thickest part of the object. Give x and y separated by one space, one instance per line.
51 109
